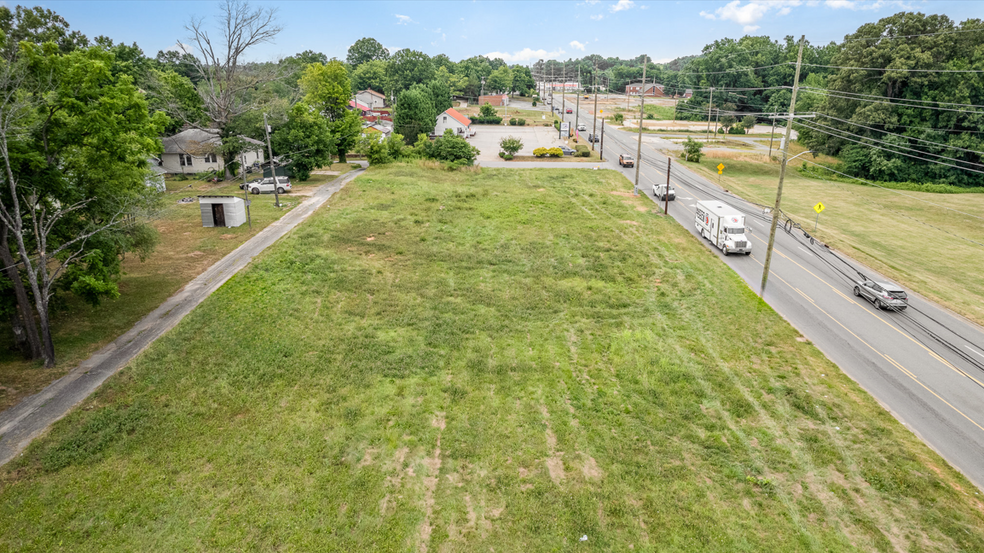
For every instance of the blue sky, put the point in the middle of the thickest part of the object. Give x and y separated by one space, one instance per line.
517 31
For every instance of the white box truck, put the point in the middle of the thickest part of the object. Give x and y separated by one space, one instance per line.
723 225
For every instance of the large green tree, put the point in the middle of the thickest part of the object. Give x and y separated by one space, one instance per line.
36 25
304 140
326 88
409 67
415 114
500 80
904 124
74 144
366 50
440 95
371 75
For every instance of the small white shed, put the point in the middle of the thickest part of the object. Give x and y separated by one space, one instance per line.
222 211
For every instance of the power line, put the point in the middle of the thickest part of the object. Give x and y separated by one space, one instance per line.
902 70
940 144
895 145
875 96
957 31
836 94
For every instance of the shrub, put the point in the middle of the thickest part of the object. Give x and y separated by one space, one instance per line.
618 118
510 144
521 122
355 165
555 152
650 116
512 121
494 120
502 154
487 110
582 151
736 130
692 150
540 152
454 149
534 103
747 122
721 130
507 157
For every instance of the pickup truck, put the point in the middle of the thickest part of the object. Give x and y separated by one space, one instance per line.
661 194
626 160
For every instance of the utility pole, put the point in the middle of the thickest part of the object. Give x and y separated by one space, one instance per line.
273 170
245 191
717 117
601 155
642 107
577 108
551 90
563 97
710 103
782 169
481 93
594 125
772 136
666 193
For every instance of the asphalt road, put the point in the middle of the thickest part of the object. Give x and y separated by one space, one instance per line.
925 365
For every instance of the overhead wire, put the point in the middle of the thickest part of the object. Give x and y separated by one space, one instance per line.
940 144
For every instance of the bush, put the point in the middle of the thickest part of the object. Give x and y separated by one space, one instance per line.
534 103
692 150
494 120
581 150
618 118
487 110
521 122
454 149
736 130
721 130
555 152
355 165
502 154
650 116
540 152
512 121
510 144
507 157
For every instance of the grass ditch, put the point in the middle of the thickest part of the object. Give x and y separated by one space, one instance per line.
504 358
186 249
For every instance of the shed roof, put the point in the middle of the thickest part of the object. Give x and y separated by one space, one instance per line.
198 142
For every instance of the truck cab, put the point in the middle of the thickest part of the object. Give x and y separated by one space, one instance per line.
723 226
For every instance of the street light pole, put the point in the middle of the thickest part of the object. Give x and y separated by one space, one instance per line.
782 169
710 103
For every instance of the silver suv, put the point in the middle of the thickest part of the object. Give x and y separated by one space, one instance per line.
882 294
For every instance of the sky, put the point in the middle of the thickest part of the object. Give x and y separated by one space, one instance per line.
517 31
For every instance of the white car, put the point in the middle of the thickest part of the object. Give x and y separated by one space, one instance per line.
582 127
265 186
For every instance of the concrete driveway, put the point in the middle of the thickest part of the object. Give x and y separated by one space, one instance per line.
487 138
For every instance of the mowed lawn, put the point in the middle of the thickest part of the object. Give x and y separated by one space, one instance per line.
506 360
908 236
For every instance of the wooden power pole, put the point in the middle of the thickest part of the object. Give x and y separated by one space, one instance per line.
782 170
642 107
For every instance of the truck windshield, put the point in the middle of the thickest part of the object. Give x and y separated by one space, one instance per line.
736 230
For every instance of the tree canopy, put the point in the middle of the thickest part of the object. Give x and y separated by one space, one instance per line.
366 50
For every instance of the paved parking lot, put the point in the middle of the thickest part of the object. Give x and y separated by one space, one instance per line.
487 138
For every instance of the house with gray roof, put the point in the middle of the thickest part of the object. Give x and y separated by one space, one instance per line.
198 150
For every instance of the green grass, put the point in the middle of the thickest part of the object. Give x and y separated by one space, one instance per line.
924 247
501 359
185 250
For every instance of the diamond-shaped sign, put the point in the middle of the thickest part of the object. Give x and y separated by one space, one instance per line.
720 167
819 207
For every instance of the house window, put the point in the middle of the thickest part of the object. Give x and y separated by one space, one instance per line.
445 118
210 158
185 159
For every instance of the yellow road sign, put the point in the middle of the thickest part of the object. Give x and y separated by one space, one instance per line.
720 167
818 208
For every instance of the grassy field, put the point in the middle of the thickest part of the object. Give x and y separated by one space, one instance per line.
501 359
186 249
924 247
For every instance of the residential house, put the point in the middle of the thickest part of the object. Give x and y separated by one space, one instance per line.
688 93
451 119
380 132
370 98
197 150
494 100
652 90
363 109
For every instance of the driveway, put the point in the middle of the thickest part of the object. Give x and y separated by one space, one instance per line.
487 138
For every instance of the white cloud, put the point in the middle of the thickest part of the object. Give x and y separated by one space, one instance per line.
598 17
526 54
646 7
403 19
748 14
863 5
181 48
621 5
577 45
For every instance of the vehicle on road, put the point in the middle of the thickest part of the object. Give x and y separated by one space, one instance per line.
569 110
586 97
594 138
883 294
661 194
266 186
626 160
567 151
582 127
723 225
247 185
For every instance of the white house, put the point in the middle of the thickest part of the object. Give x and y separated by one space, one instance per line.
451 119
370 98
197 150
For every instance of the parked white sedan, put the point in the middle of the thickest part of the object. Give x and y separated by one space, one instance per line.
266 186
